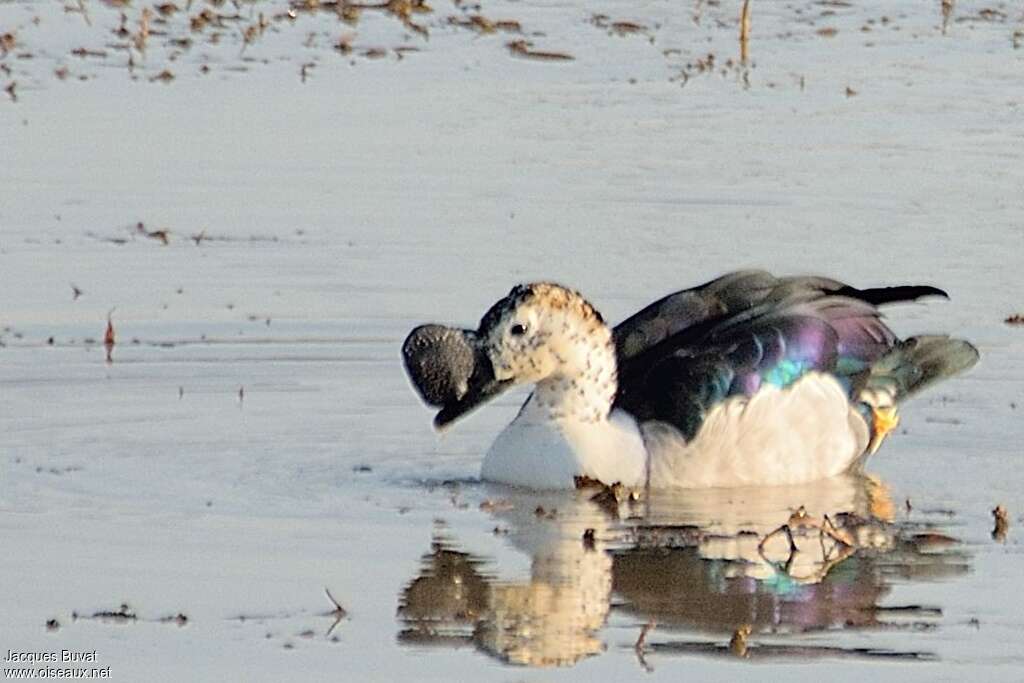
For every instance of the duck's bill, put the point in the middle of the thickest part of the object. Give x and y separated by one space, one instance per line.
449 369
481 390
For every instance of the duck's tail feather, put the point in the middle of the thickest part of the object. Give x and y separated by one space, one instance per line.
912 365
879 296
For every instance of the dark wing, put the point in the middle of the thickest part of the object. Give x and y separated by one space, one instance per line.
733 293
676 312
692 350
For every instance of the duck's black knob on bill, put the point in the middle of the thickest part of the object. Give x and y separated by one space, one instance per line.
440 361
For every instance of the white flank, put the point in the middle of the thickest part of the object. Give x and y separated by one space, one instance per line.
804 432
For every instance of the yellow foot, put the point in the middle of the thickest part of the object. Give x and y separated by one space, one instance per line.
885 420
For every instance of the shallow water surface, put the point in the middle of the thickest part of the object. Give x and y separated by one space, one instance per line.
303 204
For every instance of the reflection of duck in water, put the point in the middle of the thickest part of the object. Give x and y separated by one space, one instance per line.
550 620
746 380
693 564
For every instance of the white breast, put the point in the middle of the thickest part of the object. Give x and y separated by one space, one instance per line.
804 432
538 452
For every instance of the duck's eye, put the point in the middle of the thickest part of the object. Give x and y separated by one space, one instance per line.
518 330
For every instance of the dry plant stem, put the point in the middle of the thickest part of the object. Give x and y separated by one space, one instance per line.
826 567
784 529
85 12
825 527
523 48
641 641
840 536
338 613
109 338
744 31
738 642
1002 523
787 565
143 35
337 605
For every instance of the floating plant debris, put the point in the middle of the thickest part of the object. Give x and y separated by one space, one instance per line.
524 48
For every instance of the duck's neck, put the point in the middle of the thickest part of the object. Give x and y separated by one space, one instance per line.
584 385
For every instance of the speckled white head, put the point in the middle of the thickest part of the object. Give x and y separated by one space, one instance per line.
549 335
